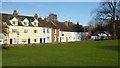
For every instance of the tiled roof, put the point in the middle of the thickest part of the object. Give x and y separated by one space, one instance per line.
63 26
45 23
7 17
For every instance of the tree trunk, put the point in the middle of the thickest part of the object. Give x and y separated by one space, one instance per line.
114 15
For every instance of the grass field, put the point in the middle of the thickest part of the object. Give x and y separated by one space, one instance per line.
83 53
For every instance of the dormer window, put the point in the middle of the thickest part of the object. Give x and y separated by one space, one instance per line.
35 23
25 23
13 22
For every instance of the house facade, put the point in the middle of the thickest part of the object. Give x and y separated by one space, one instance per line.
34 30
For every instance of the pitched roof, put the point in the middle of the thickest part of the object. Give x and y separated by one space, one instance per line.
63 26
7 17
49 24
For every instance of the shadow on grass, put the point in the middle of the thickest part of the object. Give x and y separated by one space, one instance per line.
114 48
5 48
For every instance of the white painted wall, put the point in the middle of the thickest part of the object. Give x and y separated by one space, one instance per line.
69 36
47 34
30 34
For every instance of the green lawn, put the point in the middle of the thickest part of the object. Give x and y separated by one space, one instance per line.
83 53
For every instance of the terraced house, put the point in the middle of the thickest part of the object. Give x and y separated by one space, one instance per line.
33 30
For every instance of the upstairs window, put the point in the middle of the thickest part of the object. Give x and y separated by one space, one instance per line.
13 22
25 31
14 30
43 30
35 31
47 30
25 23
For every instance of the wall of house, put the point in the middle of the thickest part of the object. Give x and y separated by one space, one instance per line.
47 35
55 35
66 36
23 33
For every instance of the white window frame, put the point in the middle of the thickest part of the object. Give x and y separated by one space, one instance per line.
48 38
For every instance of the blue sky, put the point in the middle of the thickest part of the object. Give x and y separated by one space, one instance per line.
73 11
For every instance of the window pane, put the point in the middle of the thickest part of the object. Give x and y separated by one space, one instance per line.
48 38
25 31
14 30
43 30
47 30
35 31
35 40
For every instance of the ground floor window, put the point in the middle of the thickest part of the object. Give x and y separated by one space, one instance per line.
48 38
35 40
40 40
24 40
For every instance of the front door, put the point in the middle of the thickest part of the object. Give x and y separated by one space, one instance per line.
28 40
10 41
60 39
40 40
44 40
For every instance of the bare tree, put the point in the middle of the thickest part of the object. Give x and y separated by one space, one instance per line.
4 28
108 11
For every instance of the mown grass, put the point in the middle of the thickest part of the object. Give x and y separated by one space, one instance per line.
83 53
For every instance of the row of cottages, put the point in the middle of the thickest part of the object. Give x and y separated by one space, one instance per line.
30 30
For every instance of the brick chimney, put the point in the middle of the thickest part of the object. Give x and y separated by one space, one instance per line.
36 16
15 13
89 31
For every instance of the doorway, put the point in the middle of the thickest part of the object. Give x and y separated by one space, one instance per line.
44 40
28 40
10 41
40 40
